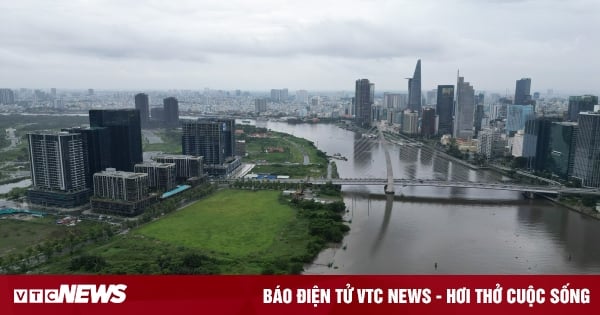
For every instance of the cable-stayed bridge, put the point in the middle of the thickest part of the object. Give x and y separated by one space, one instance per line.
408 152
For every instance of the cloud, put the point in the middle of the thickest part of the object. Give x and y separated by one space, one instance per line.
493 39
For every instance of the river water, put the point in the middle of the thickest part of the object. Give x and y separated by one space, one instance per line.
463 231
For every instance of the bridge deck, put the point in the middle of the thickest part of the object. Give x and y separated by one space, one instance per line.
441 183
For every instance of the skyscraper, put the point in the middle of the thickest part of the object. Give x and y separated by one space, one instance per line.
582 103
57 169
536 141
394 101
464 109
171 112
444 108
125 135
477 118
96 150
142 104
211 138
363 102
428 122
562 148
586 166
414 89
523 92
517 116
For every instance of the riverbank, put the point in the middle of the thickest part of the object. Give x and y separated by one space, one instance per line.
282 154
228 232
256 231
587 211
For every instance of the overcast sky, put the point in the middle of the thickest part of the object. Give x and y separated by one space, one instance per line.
298 44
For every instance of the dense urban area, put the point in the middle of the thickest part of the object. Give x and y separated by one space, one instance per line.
197 182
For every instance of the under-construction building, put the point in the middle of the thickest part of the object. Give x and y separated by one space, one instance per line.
186 166
214 140
161 176
121 193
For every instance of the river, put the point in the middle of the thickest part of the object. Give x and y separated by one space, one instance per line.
443 230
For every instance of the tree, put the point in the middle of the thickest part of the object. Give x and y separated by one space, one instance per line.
588 201
519 162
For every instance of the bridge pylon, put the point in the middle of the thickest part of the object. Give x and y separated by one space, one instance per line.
389 187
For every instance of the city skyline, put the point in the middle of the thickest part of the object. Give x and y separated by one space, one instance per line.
262 44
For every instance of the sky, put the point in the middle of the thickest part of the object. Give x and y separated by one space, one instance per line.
308 44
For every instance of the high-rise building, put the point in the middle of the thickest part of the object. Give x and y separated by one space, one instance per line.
186 166
490 143
260 105
240 147
562 148
431 97
579 104
517 116
464 109
211 138
410 122
315 101
7 96
122 193
96 150
283 95
302 96
517 143
396 101
171 112
523 92
498 111
586 166
536 142
279 95
57 169
158 115
275 95
90 92
363 102
414 89
444 108
428 122
142 104
125 135
161 176
478 118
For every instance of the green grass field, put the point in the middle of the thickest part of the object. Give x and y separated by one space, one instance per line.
16 235
171 142
232 223
256 150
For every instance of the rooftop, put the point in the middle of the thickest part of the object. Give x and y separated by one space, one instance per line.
114 173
